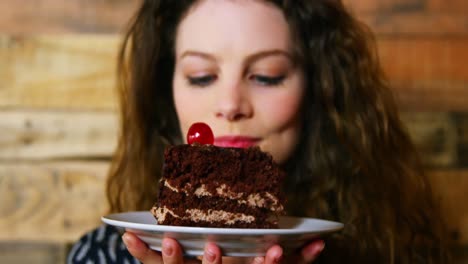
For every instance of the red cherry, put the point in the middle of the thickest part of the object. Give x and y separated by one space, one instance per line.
200 133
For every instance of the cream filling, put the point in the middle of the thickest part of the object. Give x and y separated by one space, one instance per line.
172 188
253 200
198 215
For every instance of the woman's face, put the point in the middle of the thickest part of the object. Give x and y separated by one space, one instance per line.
235 71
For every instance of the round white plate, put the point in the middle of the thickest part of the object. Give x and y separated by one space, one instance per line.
293 233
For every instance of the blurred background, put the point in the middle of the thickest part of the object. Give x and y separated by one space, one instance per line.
58 121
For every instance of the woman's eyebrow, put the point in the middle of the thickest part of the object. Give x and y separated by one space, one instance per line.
249 59
268 53
197 54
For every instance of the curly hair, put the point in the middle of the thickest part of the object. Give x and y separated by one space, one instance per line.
355 162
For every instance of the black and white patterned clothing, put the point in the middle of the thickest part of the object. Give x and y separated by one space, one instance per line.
100 246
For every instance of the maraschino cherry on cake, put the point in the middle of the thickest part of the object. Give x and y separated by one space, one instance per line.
204 185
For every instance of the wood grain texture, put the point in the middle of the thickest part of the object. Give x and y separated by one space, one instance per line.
413 17
36 135
78 72
441 138
450 188
443 6
462 125
427 73
37 253
417 17
407 6
51 202
59 71
41 135
63 16
67 199
419 95
427 59
435 135
416 24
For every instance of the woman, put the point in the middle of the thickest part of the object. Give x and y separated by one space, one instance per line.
300 79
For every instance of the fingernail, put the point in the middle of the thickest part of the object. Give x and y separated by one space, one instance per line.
258 260
127 241
311 253
277 256
210 255
167 249
321 247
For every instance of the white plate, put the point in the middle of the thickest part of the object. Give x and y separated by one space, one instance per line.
236 242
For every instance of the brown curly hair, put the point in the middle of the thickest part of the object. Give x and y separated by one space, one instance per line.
354 164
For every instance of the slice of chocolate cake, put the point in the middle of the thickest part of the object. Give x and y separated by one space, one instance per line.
209 186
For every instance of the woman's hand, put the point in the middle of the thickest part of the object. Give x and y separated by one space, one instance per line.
172 253
308 254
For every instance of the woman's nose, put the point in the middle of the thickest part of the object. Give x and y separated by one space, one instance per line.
233 103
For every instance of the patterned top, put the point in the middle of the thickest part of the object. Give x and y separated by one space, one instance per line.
100 246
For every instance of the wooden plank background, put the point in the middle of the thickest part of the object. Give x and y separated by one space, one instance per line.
59 124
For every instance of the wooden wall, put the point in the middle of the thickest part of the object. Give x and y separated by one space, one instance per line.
58 120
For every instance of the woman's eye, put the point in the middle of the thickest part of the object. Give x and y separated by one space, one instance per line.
201 81
268 80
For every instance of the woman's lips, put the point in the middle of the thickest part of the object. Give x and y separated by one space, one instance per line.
236 141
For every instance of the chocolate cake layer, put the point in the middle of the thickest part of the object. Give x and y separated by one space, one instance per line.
224 192
170 220
210 186
179 202
244 170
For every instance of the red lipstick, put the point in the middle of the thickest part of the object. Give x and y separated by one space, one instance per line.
235 141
